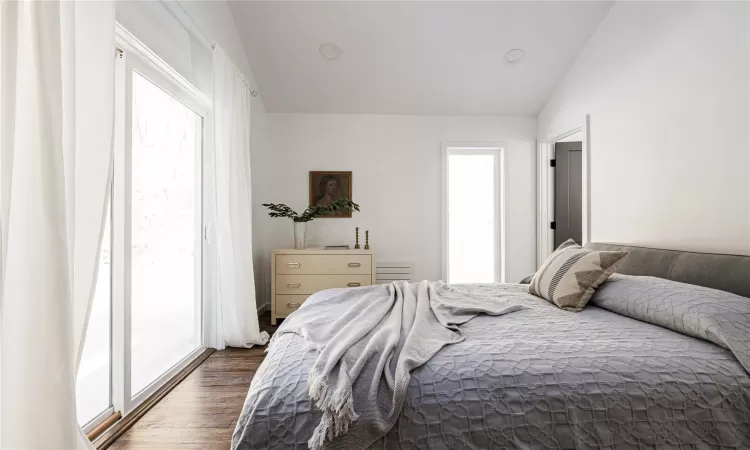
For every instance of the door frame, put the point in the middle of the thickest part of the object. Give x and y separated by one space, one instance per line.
496 149
133 56
546 188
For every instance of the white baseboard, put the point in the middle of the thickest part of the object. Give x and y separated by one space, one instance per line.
263 308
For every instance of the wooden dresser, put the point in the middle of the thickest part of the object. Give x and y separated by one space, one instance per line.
297 274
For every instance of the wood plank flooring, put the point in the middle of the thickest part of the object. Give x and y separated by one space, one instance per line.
201 412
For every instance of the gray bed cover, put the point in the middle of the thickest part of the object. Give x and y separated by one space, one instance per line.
540 378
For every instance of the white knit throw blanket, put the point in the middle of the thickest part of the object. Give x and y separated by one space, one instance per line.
370 339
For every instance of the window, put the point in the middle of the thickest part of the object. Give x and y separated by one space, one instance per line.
146 322
472 205
164 229
93 386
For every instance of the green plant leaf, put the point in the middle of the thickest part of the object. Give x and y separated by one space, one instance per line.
312 211
281 210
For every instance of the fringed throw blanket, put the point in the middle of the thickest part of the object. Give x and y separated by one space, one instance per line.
369 340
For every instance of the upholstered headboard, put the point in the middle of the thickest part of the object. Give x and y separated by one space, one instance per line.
729 273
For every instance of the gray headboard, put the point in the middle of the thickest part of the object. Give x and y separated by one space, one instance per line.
729 273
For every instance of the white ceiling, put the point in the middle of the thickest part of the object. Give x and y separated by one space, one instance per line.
423 57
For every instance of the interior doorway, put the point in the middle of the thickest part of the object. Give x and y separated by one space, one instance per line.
568 167
563 189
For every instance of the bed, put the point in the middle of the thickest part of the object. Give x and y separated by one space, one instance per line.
544 378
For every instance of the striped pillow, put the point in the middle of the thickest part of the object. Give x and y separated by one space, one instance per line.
569 277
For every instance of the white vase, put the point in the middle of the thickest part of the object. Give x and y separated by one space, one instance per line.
300 235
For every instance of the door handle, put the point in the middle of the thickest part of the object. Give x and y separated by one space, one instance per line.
354 264
293 285
293 305
354 284
292 264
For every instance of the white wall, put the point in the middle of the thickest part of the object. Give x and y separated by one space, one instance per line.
215 19
397 174
668 88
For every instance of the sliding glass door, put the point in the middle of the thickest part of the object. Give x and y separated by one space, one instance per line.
165 224
94 383
147 315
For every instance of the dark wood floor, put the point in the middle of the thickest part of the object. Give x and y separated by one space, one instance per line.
201 412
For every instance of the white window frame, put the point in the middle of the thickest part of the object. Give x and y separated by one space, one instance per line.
495 149
134 56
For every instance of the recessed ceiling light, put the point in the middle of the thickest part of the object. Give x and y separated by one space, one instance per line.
514 56
330 51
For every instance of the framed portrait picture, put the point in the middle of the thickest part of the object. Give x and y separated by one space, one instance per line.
327 186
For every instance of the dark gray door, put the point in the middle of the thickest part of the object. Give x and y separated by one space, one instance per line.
568 190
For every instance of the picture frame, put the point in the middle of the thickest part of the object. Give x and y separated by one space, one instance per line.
329 185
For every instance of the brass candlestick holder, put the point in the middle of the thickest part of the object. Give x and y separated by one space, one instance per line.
356 238
367 239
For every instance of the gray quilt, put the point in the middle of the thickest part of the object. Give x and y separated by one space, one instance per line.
370 340
545 378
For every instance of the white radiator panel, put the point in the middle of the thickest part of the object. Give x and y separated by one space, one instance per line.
393 271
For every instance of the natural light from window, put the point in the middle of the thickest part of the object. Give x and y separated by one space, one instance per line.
165 199
93 382
472 213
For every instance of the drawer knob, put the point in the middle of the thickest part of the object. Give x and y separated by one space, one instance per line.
354 264
293 305
354 284
292 264
293 285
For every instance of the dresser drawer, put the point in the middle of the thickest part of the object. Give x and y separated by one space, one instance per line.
287 304
310 284
323 264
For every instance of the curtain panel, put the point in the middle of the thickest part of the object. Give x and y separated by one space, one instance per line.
56 127
237 322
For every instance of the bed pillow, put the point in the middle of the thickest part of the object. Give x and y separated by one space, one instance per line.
527 279
716 316
569 277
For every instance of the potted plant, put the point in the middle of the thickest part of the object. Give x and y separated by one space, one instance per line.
312 212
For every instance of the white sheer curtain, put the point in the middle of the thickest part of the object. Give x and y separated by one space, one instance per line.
237 312
57 94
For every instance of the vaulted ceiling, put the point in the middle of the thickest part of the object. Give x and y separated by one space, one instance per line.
418 57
